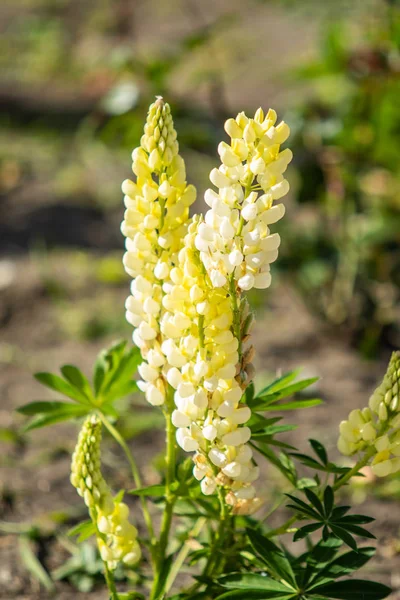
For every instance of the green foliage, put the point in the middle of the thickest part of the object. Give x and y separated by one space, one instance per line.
112 380
313 575
333 519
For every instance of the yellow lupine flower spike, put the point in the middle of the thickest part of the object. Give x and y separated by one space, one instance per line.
116 536
235 239
155 223
377 428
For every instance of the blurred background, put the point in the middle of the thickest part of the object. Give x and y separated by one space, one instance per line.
76 78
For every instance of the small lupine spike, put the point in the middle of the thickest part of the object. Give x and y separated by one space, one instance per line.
116 537
376 429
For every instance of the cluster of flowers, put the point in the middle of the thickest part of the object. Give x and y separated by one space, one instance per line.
116 536
209 415
190 320
376 429
154 225
235 239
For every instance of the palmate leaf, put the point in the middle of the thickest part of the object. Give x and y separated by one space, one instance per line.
332 520
321 463
62 386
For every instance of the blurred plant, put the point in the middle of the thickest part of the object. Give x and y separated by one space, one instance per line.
348 144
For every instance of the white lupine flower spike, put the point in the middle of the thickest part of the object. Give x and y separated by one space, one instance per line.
235 240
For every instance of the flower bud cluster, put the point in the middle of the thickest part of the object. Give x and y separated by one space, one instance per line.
235 239
202 356
376 429
157 209
116 537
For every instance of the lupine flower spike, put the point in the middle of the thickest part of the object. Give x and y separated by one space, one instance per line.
235 238
375 430
116 537
191 321
157 208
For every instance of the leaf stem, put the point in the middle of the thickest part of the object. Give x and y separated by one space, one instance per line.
109 577
352 472
283 528
184 551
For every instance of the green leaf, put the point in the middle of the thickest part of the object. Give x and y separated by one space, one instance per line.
354 589
151 490
45 407
295 405
58 384
43 420
343 565
244 581
33 565
319 450
279 383
329 500
120 390
257 422
314 500
273 430
77 379
84 530
275 559
100 368
250 594
125 370
264 400
306 530
344 535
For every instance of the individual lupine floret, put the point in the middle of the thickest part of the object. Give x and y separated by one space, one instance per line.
157 209
202 357
376 429
235 238
116 536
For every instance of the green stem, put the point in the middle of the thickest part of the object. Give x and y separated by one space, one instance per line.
359 465
283 528
109 577
182 554
135 474
214 557
170 497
